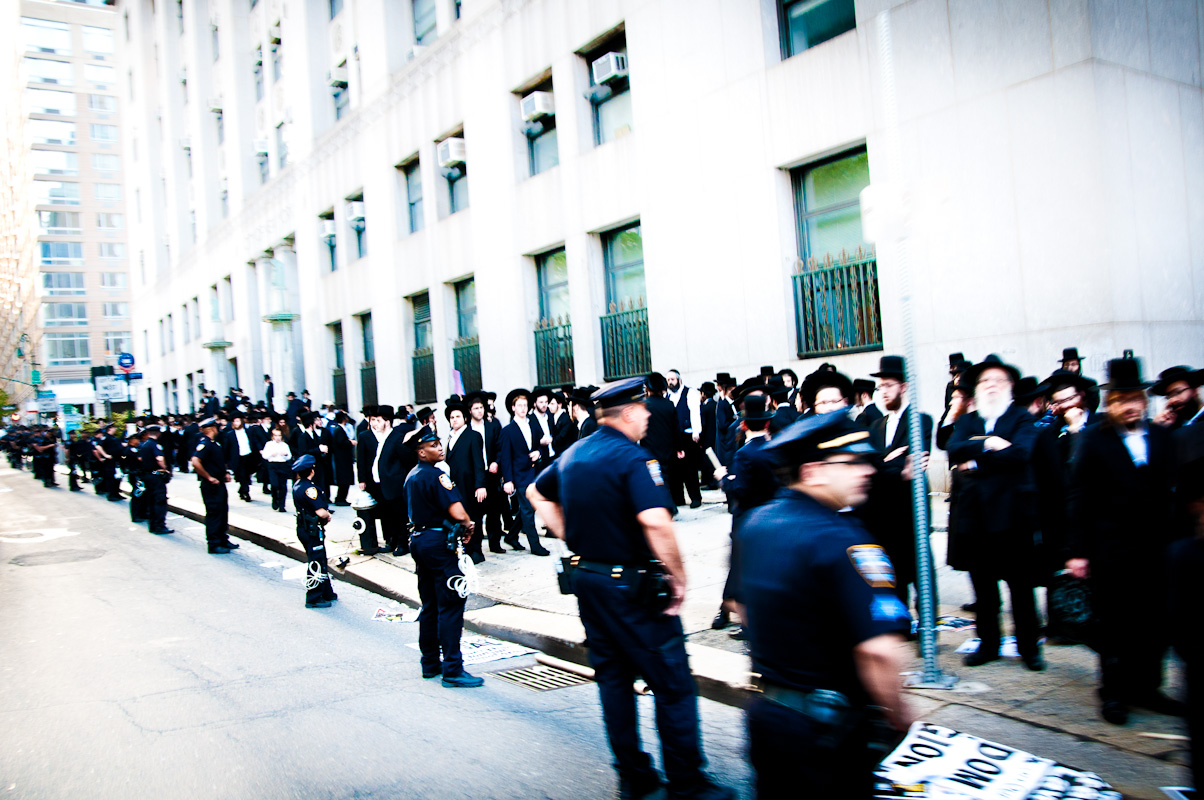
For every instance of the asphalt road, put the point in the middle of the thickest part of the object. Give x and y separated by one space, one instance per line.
136 665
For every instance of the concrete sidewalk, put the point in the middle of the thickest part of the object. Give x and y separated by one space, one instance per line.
1053 714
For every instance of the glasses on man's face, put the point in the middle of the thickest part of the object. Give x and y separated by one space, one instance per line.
1065 401
829 404
1180 392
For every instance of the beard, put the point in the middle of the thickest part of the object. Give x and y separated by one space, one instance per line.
991 407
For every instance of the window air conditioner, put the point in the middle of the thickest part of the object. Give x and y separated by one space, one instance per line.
609 68
329 231
355 210
451 152
214 104
261 147
536 105
186 143
338 77
274 34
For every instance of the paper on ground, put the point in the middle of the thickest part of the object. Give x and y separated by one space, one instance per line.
401 615
480 649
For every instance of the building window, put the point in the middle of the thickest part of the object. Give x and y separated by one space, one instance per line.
257 71
62 254
41 70
105 103
221 126
107 192
196 315
330 238
413 179
368 337
99 74
542 150
171 334
66 349
277 62
336 332
264 168
180 15
57 223
552 272
423 359
335 7
359 225
106 162
118 342
46 131
341 97
228 296
109 221
44 36
118 311
97 40
64 315
610 89
424 21
281 147
103 133
806 23
466 308
56 193
58 284
457 187
112 250
54 162
49 101
185 328
113 280
624 252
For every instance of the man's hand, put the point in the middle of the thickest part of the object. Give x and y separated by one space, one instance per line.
363 487
908 467
469 528
1076 418
534 455
480 495
547 439
493 467
508 487
720 473
996 443
898 451
696 437
679 596
1165 417
681 453
1079 568
323 448
213 479
228 477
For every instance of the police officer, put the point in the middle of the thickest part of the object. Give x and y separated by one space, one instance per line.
132 463
155 474
313 512
45 447
77 459
210 467
108 452
823 619
432 500
609 502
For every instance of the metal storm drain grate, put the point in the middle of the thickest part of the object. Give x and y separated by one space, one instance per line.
542 678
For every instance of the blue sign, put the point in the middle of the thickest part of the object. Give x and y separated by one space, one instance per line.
125 360
134 376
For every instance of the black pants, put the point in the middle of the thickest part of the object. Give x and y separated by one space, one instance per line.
277 478
317 575
498 519
138 498
526 514
1131 639
393 518
110 483
684 472
156 501
263 474
794 758
988 605
441 620
242 474
217 512
626 641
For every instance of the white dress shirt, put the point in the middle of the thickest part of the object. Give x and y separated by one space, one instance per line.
276 453
479 427
1138 446
524 425
244 444
892 423
380 446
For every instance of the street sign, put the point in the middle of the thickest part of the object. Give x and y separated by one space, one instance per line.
47 403
110 388
133 376
35 377
72 422
125 361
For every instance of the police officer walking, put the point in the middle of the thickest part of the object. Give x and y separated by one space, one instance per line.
313 512
155 475
210 467
432 500
610 505
823 619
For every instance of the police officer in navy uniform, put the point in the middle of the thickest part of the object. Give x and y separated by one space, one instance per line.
155 474
432 500
132 462
313 512
210 467
608 501
823 619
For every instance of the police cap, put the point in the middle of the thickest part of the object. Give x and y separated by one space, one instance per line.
209 423
303 463
816 437
619 393
156 428
418 438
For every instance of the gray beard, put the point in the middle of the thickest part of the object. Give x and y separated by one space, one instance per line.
988 409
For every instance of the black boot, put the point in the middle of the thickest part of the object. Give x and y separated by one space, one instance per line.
537 549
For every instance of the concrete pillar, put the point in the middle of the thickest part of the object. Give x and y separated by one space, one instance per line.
283 303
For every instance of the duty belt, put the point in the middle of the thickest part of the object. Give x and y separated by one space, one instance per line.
820 705
616 571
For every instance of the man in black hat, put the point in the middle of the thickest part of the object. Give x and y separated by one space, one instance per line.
466 463
827 390
995 513
538 412
865 410
889 513
663 439
707 408
608 502
367 448
823 620
686 405
581 409
1180 386
519 459
1071 362
155 474
726 415
392 463
496 508
1122 521
239 455
342 456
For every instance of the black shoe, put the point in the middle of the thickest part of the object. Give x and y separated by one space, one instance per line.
1160 704
116 499
138 520
161 530
477 558
739 634
709 790
543 551
515 544
343 503
496 548
401 550
218 550
282 510
229 545
638 790
1115 712
722 620
695 504
980 657
971 607
431 673
462 681
319 604
76 489
246 498
1035 663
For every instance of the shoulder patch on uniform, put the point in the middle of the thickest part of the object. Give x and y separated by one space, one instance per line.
312 493
200 447
445 481
654 469
886 607
872 563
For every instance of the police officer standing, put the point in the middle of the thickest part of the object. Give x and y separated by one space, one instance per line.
313 512
823 619
609 503
155 475
132 462
432 500
210 467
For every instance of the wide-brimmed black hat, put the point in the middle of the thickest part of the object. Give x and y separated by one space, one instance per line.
751 385
756 409
541 391
1070 354
777 389
448 408
656 382
1124 375
514 395
1061 378
725 379
864 386
1193 377
368 411
957 359
456 399
582 395
1027 389
767 372
890 367
385 412
990 362
822 379
423 414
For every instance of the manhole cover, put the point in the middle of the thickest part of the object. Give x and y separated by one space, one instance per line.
542 678
55 557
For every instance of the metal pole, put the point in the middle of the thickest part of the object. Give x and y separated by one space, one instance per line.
931 676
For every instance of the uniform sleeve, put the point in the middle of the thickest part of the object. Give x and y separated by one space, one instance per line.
646 486
446 490
864 587
548 482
